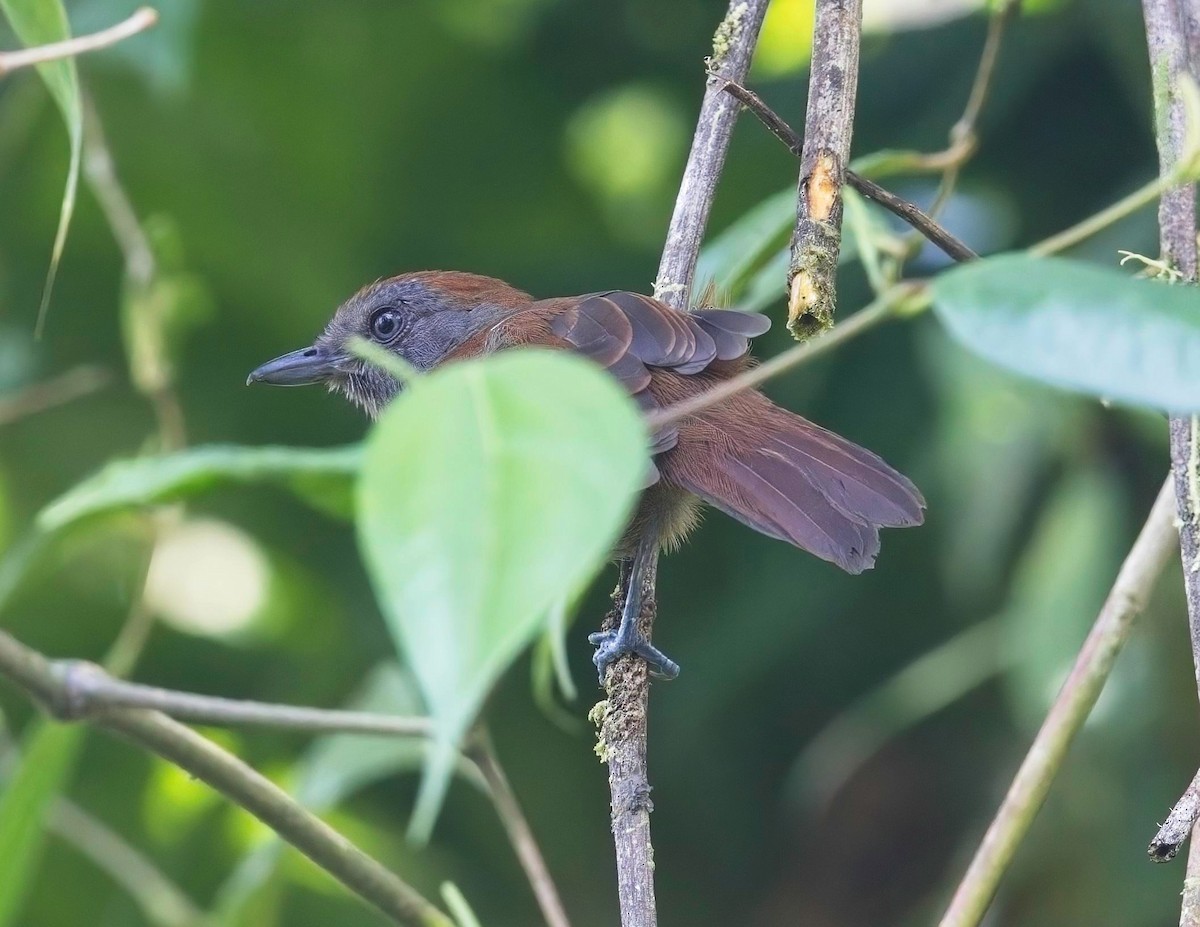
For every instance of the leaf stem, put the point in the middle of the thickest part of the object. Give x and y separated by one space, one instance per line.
1097 222
520 834
89 691
141 20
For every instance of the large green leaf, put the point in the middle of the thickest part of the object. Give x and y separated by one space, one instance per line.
319 475
1079 327
40 22
47 758
489 491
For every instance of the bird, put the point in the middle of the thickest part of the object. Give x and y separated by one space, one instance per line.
765 466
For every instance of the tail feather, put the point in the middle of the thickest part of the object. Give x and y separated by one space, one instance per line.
800 483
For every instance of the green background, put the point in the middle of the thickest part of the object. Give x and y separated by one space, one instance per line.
296 151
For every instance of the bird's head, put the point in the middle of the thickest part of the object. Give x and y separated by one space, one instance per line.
420 317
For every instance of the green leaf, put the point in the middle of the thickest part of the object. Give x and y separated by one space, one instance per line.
40 22
745 245
47 759
146 481
490 490
1078 327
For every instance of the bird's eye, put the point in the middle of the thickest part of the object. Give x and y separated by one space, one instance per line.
386 325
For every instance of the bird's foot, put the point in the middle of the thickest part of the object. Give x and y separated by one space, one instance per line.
611 645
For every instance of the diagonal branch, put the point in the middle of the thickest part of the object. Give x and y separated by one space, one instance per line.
1125 601
733 47
154 731
909 212
520 834
828 126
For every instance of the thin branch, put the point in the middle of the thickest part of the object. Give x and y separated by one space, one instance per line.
909 212
1171 34
1126 599
963 139
912 214
162 902
200 757
520 835
627 683
57 391
152 371
908 297
141 20
733 47
1097 222
1178 825
828 126
101 174
88 691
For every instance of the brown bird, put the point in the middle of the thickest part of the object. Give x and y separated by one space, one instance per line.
774 471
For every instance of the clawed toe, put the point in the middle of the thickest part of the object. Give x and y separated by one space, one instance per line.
612 645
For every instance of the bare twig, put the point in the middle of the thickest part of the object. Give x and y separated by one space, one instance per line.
913 215
57 391
828 125
154 731
733 47
627 684
963 140
1171 35
89 691
150 369
141 20
1178 825
520 835
909 212
1126 599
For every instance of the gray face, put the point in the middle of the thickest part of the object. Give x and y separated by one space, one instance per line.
419 323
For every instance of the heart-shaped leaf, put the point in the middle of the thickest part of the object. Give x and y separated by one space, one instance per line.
1079 327
490 490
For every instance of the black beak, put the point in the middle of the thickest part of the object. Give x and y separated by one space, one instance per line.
308 365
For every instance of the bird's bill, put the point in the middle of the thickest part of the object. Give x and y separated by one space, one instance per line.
299 368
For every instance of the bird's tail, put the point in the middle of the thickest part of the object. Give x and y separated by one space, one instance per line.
790 479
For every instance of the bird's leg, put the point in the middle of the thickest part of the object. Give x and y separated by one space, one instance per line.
627 638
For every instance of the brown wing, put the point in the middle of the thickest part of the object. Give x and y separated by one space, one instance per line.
629 333
772 470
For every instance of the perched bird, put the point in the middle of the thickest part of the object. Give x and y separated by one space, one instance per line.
771 470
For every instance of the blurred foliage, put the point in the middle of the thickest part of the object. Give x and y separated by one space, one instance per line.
297 151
